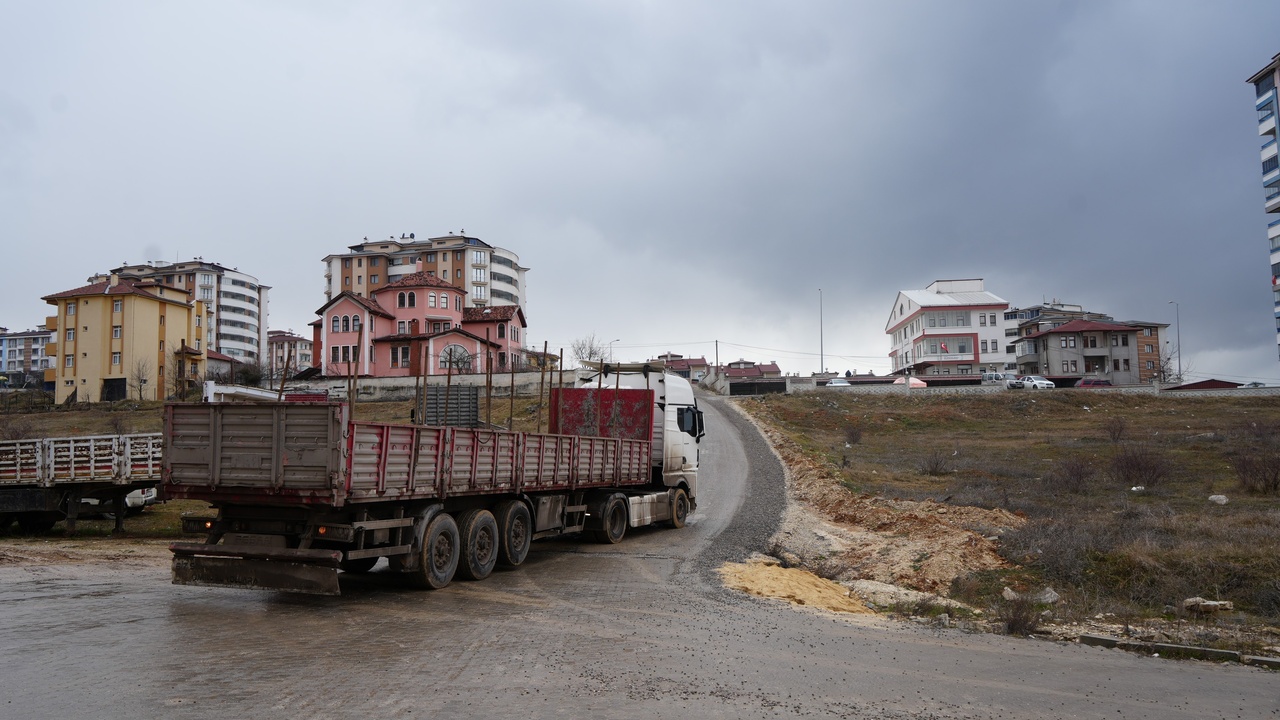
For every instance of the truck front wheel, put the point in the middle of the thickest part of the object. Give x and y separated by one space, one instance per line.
440 550
479 544
679 508
514 532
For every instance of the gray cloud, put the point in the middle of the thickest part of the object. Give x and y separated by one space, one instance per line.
673 173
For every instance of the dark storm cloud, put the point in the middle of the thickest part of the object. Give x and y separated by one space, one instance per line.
720 161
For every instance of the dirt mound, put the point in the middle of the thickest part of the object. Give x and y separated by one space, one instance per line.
101 551
922 545
766 578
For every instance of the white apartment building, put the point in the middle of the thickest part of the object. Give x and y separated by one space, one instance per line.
490 275
1264 84
236 302
952 327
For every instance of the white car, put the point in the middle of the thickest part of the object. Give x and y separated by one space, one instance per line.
838 382
134 503
1035 382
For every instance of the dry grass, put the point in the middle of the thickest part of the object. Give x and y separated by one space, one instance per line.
1068 463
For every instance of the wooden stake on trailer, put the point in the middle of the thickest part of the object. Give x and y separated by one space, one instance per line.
283 378
488 380
511 404
542 382
417 392
448 386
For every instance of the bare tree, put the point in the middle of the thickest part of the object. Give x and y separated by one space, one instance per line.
588 349
140 378
1168 370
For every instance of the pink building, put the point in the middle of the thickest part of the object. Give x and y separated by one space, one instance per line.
419 318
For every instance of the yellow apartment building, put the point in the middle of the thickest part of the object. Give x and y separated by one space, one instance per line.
122 338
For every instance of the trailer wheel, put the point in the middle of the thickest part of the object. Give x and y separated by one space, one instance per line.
439 553
479 544
35 523
614 520
514 532
679 508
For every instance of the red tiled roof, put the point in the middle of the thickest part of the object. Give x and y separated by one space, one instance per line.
1076 326
368 303
491 314
123 287
215 355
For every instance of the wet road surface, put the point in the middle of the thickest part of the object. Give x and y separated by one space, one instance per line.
637 630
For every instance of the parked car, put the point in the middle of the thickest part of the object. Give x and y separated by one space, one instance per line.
134 503
838 382
1035 382
1012 382
1092 383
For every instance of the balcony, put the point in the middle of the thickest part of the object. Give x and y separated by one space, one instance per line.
1267 125
1269 150
1273 203
1264 98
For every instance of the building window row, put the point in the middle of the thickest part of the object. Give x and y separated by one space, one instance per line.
250 299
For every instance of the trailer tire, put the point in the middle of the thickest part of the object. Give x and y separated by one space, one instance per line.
479 531
515 530
35 523
613 520
679 508
440 550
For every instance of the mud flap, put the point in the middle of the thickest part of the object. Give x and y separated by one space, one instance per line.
219 568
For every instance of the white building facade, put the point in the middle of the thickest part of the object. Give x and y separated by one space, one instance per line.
22 357
236 302
1264 84
952 327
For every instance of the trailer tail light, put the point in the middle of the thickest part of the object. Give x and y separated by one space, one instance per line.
195 525
338 533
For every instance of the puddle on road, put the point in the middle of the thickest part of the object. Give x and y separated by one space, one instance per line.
768 579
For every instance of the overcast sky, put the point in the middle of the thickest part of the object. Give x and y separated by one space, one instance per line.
672 173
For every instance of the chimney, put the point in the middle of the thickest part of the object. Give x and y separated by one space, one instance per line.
114 280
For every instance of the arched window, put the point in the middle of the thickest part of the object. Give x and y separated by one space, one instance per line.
413 299
335 323
355 323
431 300
346 323
502 331
400 300
455 358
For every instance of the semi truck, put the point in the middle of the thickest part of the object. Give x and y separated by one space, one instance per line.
45 480
303 491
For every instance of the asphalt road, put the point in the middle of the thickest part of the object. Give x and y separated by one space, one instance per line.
637 630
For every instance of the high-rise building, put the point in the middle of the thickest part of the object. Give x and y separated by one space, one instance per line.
1264 83
288 355
489 275
122 338
22 357
236 303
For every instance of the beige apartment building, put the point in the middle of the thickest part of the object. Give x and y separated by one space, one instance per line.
122 338
489 275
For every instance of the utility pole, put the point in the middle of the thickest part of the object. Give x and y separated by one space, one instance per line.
822 362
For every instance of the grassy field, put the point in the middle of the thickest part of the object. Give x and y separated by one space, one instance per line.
1116 488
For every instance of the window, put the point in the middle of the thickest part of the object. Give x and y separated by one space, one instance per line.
933 322
197 343
982 319
457 274
161 346
1115 365
458 256
346 262
161 321
355 323
962 346
1115 341
400 356
333 351
116 306
346 323
197 321
1065 366
71 308
400 327
457 303
359 262
1151 365
502 359
373 279
992 321
346 353
115 358
984 346
431 300
1148 348
502 331
1146 331
71 334
1126 363
933 348
477 257
477 292
335 324
1124 341
346 281
402 300
1062 341
373 262
359 279
69 361
962 319
1073 366
431 257
477 274
413 299
435 327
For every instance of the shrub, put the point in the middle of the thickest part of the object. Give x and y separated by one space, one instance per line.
1075 474
1258 472
1115 427
1135 465
16 428
1019 616
853 434
936 462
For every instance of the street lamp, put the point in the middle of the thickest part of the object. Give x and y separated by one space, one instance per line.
1177 319
611 342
